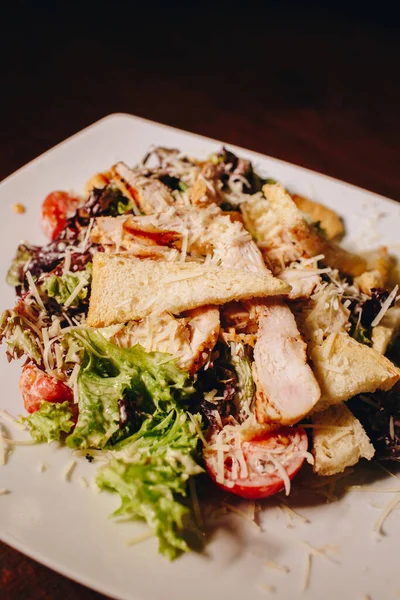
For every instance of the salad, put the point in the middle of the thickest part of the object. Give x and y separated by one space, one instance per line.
197 325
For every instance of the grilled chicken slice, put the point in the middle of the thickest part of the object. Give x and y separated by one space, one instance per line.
148 195
190 339
137 236
304 238
286 387
303 281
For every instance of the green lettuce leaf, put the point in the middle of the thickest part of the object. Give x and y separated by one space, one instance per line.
151 474
115 202
60 287
49 422
109 374
15 274
20 339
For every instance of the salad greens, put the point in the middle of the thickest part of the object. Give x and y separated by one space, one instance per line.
152 464
61 287
20 339
151 473
109 374
50 422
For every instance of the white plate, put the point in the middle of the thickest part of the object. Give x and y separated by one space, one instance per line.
66 526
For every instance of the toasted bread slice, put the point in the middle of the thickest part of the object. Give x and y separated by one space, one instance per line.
344 368
335 449
125 288
379 263
328 220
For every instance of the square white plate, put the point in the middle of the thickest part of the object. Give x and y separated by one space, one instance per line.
66 526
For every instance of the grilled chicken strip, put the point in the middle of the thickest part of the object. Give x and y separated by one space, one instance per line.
137 236
286 387
190 339
148 195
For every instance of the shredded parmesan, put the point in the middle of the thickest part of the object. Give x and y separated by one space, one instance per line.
197 429
76 292
264 587
42 467
307 572
282 472
2 449
276 566
385 513
140 538
34 290
67 261
84 482
319 551
69 469
19 442
293 513
391 427
385 306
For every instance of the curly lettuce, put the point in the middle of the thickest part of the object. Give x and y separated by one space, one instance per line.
50 422
151 474
62 287
150 380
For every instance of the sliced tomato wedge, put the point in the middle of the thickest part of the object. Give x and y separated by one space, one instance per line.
35 386
255 468
57 207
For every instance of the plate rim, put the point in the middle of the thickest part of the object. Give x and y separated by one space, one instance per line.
116 115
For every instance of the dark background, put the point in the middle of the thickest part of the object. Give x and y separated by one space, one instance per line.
314 83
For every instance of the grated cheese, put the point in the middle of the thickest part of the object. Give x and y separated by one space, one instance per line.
293 513
69 469
84 482
385 306
3 458
277 566
198 429
74 376
333 368
319 551
307 572
140 538
264 587
19 442
282 472
391 427
67 261
42 467
366 488
76 291
34 290
385 513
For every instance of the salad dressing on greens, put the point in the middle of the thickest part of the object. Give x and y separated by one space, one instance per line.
215 391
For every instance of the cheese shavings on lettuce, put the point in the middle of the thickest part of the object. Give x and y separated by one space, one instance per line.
151 474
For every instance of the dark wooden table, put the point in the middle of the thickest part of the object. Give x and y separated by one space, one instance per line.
319 89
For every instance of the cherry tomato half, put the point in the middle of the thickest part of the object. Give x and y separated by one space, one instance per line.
35 386
253 470
56 209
